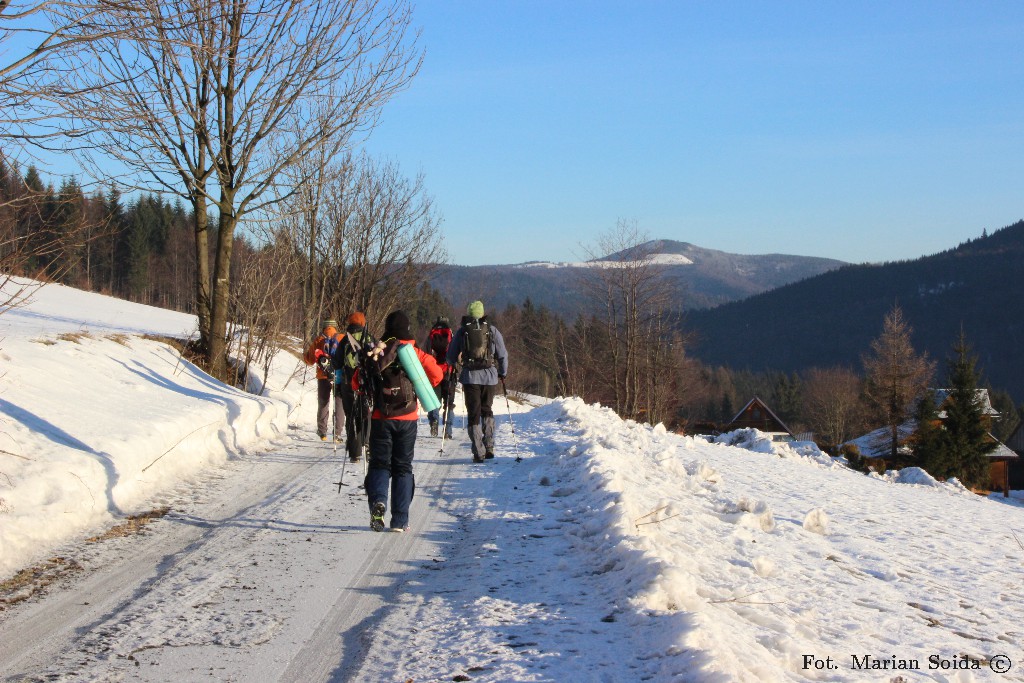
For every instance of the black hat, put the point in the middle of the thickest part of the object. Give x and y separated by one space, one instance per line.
397 325
442 321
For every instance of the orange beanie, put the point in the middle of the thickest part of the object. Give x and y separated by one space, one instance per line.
356 318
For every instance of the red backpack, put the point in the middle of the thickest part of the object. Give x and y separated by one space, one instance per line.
440 338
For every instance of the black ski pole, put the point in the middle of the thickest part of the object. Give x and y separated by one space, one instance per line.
508 407
447 414
334 420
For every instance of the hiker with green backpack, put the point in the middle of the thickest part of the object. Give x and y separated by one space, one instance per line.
480 349
357 405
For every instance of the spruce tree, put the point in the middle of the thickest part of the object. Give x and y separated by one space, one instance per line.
931 447
965 424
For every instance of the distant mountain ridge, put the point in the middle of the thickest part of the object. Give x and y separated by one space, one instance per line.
831 318
702 277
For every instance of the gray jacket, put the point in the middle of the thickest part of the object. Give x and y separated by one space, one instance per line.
497 351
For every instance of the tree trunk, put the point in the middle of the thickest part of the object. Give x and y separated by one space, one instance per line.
202 270
221 286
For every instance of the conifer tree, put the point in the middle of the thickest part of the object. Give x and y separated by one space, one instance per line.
965 424
931 447
896 375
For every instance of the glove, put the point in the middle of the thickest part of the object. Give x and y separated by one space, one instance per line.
501 377
318 353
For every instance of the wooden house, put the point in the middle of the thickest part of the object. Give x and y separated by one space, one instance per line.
876 446
757 415
1015 467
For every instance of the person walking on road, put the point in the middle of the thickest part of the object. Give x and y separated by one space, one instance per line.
393 424
355 340
321 353
437 343
480 349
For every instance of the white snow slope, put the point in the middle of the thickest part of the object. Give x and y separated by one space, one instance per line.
613 552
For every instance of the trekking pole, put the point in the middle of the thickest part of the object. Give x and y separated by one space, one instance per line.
515 439
334 421
449 399
445 416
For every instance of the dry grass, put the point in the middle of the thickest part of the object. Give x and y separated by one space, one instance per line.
176 344
34 580
119 338
133 525
45 342
75 337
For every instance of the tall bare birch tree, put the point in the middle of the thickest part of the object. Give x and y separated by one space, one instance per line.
214 99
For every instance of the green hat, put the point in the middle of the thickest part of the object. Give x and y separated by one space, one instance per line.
330 322
475 309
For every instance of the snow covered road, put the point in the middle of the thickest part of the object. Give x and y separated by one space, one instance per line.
263 569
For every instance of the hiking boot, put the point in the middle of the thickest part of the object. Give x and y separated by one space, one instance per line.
477 458
354 458
448 434
323 437
433 429
489 455
377 516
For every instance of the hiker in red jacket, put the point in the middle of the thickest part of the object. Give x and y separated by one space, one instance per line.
393 424
321 354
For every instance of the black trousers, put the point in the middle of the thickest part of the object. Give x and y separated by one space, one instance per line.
479 398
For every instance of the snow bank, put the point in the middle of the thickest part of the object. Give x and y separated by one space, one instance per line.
735 566
760 442
99 419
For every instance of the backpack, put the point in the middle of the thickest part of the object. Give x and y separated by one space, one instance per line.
326 362
354 343
394 394
440 338
476 347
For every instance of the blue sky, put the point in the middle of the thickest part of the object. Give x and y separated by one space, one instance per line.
864 132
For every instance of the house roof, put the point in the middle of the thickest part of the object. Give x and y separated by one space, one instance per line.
1002 451
768 410
986 404
878 444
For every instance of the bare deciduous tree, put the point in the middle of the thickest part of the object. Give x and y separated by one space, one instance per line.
371 239
635 301
261 304
214 99
833 406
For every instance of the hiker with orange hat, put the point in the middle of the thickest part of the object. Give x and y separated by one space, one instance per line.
357 403
321 353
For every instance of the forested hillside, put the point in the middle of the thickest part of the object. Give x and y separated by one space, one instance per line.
699 277
832 318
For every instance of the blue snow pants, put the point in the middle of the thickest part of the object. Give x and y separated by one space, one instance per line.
391 451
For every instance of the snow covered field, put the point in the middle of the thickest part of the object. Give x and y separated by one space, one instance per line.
613 552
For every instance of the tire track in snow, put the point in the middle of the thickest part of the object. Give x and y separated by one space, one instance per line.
259 576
